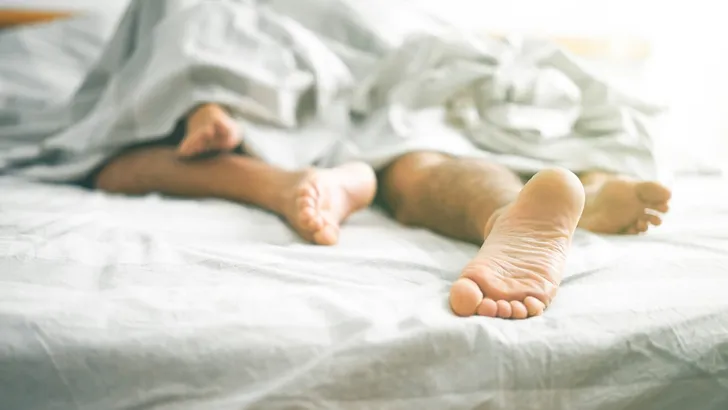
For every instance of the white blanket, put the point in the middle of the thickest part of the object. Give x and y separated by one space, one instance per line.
327 81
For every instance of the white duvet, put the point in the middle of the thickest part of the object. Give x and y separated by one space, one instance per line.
321 81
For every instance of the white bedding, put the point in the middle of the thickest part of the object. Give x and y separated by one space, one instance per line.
153 303
332 81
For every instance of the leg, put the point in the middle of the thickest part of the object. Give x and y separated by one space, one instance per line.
617 204
453 197
525 231
314 202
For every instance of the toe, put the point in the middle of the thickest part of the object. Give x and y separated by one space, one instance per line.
504 309
488 308
309 221
518 310
305 201
653 219
328 235
534 306
663 207
308 191
641 225
465 297
652 192
308 215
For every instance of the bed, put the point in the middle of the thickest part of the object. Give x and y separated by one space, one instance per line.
128 303
110 302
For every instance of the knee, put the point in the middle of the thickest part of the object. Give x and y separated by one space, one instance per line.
405 171
401 181
419 160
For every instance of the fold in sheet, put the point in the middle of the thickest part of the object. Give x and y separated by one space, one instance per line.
328 81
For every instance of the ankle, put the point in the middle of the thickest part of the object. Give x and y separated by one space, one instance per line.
283 191
275 190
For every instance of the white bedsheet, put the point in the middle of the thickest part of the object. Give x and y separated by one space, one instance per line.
152 303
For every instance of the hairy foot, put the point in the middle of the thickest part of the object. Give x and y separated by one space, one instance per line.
619 205
518 269
321 199
209 129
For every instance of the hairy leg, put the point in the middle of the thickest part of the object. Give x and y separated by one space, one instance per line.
525 231
621 205
453 197
314 202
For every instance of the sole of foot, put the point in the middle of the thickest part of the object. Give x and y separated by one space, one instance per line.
624 206
320 200
518 269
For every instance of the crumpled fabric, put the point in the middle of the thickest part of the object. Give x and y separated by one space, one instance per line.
330 81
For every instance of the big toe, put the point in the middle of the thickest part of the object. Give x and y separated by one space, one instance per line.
328 235
534 307
466 298
653 192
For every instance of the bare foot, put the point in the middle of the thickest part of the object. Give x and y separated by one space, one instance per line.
209 129
619 205
321 199
518 269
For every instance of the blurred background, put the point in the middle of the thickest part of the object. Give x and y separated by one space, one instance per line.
672 51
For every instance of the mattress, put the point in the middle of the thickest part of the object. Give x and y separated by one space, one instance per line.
110 302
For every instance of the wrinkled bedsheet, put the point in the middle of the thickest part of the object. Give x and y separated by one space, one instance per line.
152 303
